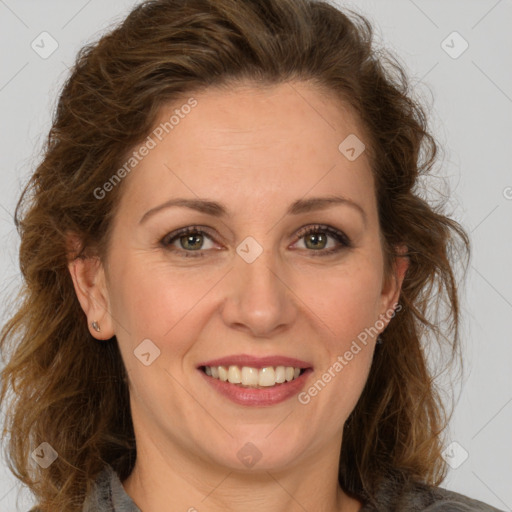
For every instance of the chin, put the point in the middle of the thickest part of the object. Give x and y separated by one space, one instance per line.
260 449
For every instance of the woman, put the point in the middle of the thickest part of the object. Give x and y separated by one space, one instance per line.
229 276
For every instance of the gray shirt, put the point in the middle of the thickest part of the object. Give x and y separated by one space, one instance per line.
109 496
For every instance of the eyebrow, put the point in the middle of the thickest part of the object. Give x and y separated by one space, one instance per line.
219 210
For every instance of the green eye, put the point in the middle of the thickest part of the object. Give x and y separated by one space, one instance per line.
192 239
317 238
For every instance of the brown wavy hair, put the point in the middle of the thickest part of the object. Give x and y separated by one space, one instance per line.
61 386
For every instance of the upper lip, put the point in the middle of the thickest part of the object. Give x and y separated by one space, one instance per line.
256 362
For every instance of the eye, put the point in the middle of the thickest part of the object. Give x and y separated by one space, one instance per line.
317 238
190 240
186 241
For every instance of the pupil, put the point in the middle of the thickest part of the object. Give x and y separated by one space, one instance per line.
316 238
191 238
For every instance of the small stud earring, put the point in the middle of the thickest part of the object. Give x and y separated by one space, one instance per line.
95 326
379 340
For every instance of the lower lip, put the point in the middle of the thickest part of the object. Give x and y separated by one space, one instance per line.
258 396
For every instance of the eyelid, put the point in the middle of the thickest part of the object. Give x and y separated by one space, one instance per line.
184 231
335 233
342 239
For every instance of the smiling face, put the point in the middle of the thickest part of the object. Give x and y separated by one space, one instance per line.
249 280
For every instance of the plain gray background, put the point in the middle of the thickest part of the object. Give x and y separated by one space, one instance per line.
471 115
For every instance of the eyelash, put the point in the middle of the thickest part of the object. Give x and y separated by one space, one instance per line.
339 236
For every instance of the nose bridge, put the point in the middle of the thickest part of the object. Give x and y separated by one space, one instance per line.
257 267
259 298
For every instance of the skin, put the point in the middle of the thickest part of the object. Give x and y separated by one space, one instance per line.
256 150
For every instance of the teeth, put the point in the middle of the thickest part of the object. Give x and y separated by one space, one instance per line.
250 376
280 374
223 373
253 377
267 377
234 375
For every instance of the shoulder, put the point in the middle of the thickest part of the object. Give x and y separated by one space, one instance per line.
419 497
448 501
107 495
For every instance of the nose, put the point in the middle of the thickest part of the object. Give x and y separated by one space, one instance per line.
259 298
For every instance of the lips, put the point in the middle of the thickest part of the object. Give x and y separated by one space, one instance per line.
269 393
256 362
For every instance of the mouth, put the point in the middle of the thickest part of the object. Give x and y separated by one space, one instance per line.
256 381
251 377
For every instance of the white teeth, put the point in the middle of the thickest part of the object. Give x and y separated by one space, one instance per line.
253 377
250 376
223 373
234 375
267 377
280 374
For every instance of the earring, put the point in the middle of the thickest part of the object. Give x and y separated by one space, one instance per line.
95 326
379 340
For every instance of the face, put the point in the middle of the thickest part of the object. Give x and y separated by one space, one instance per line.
265 271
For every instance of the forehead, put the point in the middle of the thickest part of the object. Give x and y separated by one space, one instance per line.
251 144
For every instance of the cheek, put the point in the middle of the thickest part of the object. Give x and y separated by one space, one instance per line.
152 296
165 304
348 301
349 352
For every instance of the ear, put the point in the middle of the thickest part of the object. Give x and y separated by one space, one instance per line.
392 284
88 277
